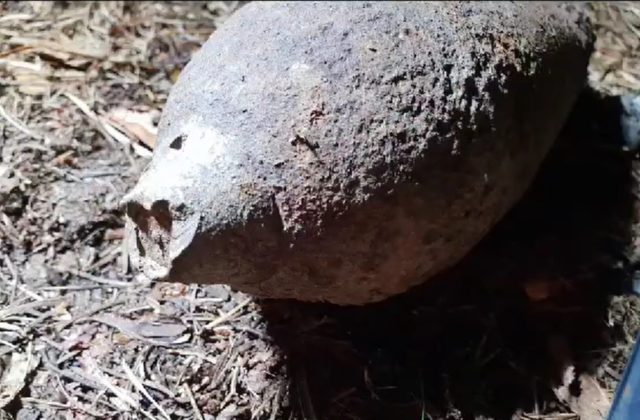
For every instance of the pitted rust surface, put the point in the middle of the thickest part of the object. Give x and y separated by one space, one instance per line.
346 151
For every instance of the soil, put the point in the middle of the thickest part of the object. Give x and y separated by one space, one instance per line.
542 303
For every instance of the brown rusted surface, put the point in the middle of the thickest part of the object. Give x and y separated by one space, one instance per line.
345 152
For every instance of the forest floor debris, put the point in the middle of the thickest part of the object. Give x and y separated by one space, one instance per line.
539 304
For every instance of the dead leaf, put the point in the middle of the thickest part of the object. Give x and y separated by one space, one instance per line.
98 345
15 375
79 45
591 401
138 125
174 75
60 311
62 59
32 84
69 75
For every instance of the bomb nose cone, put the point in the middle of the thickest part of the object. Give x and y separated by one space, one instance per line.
198 169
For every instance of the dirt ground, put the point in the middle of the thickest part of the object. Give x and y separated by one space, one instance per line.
537 323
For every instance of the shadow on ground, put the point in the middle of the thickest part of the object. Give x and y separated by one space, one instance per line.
489 337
